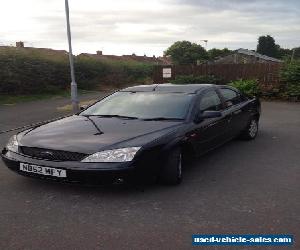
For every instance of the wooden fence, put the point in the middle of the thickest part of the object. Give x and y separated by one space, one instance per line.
266 74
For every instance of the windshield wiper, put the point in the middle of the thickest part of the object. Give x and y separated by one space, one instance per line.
163 119
118 116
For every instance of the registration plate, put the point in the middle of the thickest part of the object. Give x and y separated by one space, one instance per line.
56 172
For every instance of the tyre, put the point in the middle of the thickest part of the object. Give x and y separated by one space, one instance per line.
251 130
171 172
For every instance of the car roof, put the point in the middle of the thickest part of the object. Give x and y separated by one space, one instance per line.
169 88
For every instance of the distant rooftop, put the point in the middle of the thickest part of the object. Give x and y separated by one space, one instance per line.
253 53
159 60
146 59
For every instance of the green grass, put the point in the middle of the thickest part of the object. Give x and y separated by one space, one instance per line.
13 99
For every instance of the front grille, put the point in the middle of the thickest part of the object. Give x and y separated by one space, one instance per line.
53 155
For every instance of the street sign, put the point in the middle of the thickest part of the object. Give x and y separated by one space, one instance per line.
167 72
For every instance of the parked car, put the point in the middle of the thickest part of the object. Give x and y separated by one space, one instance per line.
135 133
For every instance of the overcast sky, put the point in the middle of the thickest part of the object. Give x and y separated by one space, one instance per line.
149 26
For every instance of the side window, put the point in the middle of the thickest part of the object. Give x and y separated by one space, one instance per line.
230 96
210 101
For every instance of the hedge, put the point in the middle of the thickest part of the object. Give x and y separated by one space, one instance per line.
32 71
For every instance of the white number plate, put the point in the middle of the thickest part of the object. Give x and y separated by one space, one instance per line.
43 170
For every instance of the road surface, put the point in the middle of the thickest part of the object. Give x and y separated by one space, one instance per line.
240 188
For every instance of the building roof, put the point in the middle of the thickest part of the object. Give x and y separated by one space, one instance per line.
255 54
168 87
133 57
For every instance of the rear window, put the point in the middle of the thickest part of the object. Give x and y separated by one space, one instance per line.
231 95
210 101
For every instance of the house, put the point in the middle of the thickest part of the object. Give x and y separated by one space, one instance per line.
241 56
160 60
20 46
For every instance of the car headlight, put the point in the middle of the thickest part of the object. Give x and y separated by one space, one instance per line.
113 155
13 144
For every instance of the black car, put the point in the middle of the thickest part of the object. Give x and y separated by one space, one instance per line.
135 133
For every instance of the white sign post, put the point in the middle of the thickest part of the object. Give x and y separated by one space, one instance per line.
167 72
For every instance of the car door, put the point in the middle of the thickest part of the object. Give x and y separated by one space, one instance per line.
234 107
210 132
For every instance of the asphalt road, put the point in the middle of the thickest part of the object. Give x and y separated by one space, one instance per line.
242 187
21 114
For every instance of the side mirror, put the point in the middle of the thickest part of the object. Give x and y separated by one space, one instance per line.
200 116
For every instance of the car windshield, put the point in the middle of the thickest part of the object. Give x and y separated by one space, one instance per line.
142 105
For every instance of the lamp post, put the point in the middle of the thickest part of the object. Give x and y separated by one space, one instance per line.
74 97
199 61
205 43
293 55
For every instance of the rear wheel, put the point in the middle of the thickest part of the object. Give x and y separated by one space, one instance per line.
251 130
171 172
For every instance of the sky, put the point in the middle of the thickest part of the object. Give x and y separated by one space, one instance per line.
148 26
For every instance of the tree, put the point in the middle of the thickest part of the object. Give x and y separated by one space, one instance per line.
285 54
185 52
267 46
289 54
215 53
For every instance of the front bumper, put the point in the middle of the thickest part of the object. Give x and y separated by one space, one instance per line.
79 172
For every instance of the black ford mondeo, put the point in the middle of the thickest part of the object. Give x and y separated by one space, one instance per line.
135 133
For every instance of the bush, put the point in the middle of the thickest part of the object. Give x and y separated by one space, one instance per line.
292 91
291 73
129 72
25 73
89 72
290 76
38 71
248 87
190 79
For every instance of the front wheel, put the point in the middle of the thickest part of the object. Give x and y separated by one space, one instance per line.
171 172
251 130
